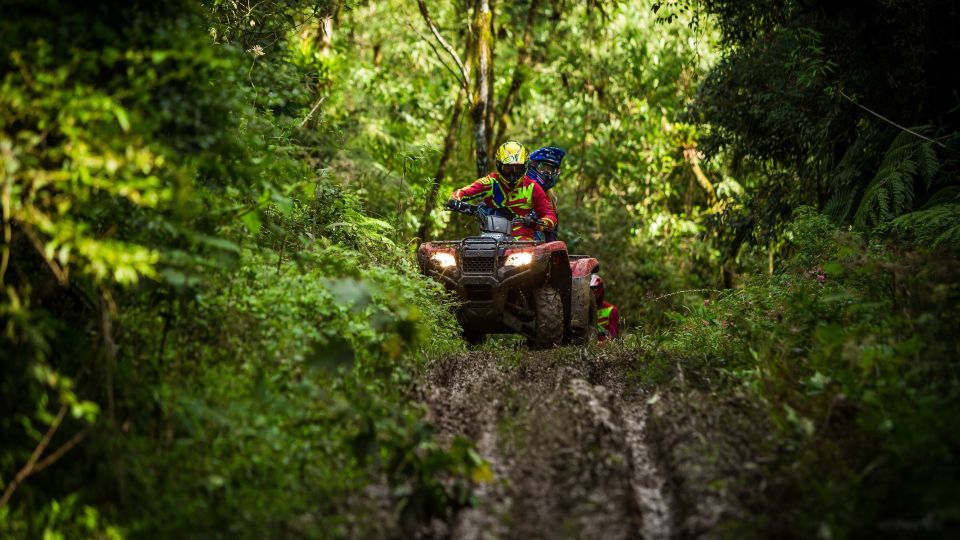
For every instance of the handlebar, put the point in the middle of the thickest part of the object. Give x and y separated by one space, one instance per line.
474 210
526 221
463 208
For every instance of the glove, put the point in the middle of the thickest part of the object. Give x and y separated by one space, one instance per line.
544 225
454 204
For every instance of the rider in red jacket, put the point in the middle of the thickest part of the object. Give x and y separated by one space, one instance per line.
608 316
509 187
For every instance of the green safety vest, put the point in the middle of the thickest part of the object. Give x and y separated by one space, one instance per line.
603 318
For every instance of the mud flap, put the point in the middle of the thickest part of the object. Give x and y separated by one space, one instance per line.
580 305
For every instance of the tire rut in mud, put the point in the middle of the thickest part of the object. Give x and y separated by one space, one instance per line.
566 444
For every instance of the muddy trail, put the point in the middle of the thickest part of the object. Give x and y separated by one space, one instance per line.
577 451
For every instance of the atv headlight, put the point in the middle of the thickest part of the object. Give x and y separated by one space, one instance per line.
519 259
444 260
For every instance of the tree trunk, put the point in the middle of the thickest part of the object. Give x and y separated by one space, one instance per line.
523 58
583 187
325 36
492 103
690 154
482 59
448 143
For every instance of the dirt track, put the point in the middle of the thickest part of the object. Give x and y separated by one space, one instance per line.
567 442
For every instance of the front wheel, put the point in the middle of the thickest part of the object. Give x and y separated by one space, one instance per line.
474 338
548 330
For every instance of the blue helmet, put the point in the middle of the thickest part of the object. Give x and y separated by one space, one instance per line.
548 154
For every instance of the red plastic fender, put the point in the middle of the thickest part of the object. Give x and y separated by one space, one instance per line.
583 267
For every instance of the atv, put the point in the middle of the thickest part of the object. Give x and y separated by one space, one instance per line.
508 286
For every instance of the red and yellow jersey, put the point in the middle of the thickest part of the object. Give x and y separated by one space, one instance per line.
527 196
608 321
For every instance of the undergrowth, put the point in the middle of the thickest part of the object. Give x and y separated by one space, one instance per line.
851 350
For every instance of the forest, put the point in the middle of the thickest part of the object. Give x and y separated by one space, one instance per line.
214 324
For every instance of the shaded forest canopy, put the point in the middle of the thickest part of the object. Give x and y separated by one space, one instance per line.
213 324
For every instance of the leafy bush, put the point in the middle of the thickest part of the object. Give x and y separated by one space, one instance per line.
281 398
60 520
852 352
227 335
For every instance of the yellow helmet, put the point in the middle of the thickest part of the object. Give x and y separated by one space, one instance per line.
512 160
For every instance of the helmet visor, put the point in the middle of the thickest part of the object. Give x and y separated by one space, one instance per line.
548 169
513 171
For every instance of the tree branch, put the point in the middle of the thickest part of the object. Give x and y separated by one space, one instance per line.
67 446
891 122
465 81
456 75
313 110
5 204
29 467
107 309
62 275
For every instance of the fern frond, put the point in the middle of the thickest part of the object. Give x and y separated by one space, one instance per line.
840 204
847 178
891 191
949 238
946 195
938 226
927 163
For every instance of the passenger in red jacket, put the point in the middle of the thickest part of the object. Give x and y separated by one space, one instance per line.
510 187
608 316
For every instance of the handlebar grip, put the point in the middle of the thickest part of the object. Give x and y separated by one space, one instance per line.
527 221
455 205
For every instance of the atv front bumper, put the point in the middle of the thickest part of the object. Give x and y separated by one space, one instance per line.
484 296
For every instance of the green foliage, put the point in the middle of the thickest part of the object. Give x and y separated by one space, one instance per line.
908 161
609 88
207 215
938 226
817 89
54 193
291 386
264 23
176 256
851 352
96 176
61 520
